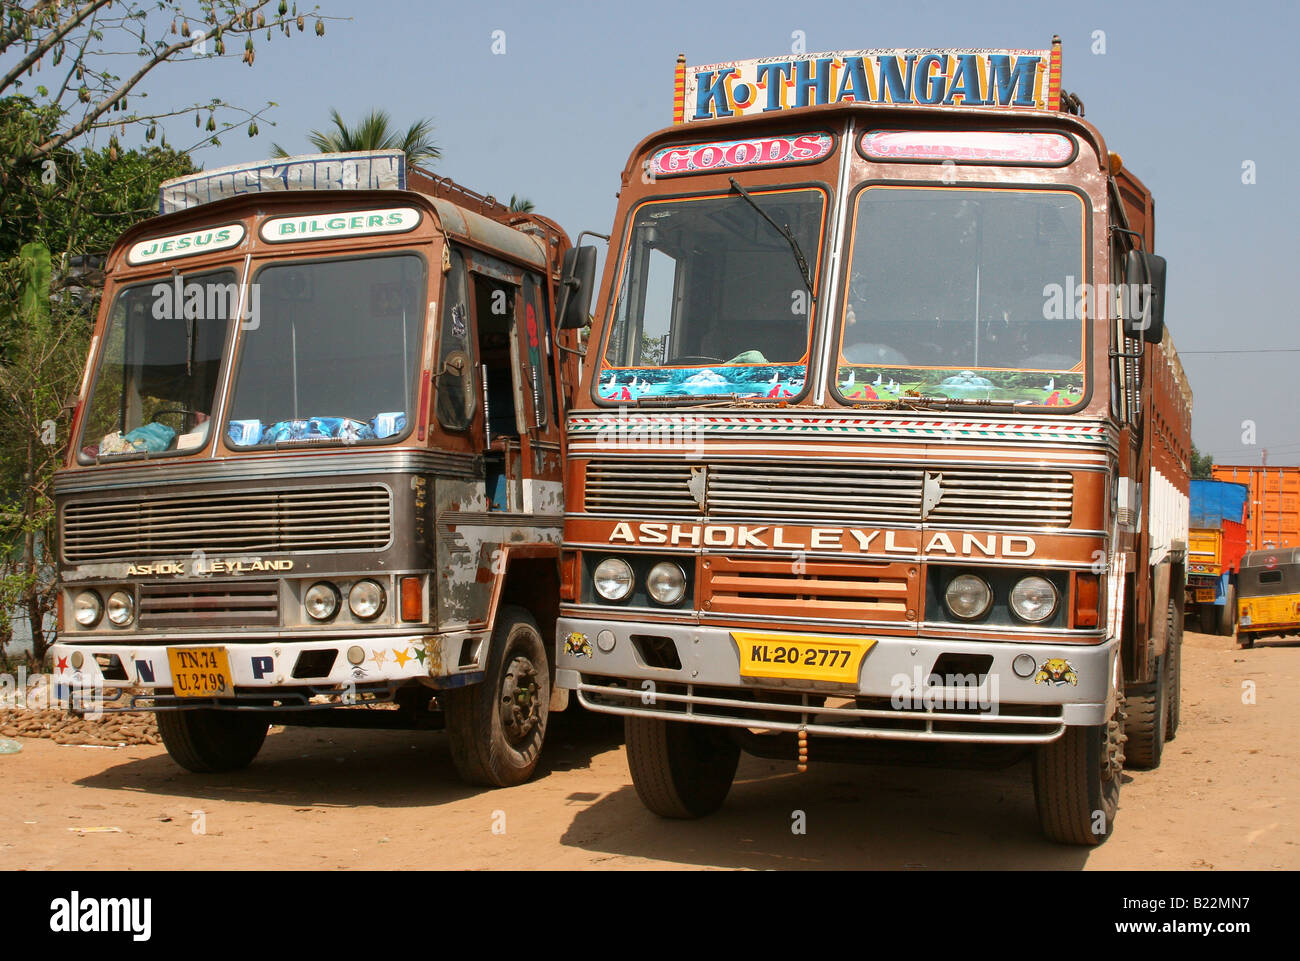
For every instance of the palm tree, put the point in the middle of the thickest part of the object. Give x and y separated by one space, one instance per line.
374 132
520 205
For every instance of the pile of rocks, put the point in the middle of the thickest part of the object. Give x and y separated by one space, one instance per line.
108 730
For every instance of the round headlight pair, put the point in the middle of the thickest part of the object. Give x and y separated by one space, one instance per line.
613 580
1033 598
323 600
87 608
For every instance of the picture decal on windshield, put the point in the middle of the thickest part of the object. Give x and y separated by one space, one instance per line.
774 381
1029 388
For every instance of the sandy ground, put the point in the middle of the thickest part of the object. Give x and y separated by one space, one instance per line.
1225 797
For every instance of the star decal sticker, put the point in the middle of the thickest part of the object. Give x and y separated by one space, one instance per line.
401 657
379 657
420 652
63 664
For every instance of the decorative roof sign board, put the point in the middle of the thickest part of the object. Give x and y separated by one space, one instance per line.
1022 79
362 170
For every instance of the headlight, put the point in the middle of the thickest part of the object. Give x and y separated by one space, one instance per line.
613 579
968 596
1033 599
121 608
321 601
666 583
366 599
86 608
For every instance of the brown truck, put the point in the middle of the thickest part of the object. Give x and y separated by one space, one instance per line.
881 449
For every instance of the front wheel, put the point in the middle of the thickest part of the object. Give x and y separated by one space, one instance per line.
497 727
1076 781
680 770
207 741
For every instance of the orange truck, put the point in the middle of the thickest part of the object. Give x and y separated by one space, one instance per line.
1274 503
881 447
1216 542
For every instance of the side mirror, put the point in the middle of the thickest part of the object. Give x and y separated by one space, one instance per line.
577 280
1144 276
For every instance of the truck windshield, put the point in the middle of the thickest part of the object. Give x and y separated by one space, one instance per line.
331 355
157 372
712 301
965 294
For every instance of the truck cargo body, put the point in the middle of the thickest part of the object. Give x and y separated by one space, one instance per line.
1274 503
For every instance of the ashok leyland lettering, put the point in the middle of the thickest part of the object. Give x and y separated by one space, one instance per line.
880 436
317 464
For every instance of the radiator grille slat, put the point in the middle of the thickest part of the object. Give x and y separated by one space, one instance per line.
345 518
210 604
881 592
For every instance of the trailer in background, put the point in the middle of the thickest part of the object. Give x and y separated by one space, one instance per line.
1216 543
1274 504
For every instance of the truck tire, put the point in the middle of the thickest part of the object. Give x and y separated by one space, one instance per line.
1226 623
496 728
680 770
1207 618
1173 680
1147 726
1077 779
1148 716
207 741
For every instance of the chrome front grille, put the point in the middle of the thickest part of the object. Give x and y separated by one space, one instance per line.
1005 499
320 519
827 491
615 487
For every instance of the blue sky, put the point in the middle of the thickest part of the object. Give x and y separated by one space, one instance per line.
1186 97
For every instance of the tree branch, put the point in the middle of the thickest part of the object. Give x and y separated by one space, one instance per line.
46 43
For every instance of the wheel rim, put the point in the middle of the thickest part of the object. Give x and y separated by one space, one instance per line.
520 705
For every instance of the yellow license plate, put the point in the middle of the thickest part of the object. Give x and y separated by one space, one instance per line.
1205 594
200 671
801 658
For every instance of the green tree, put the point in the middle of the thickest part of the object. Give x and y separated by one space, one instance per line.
90 200
375 131
1201 465
521 205
60 196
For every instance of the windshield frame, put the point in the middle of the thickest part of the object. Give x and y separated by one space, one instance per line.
121 284
815 258
1088 321
231 382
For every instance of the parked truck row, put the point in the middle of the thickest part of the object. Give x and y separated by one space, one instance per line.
833 473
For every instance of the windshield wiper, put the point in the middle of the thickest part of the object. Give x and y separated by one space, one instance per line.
939 403
685 400
784 232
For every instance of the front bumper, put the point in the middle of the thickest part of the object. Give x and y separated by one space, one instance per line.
894 697
261 670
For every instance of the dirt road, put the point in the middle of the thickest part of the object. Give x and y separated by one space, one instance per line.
1226 797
